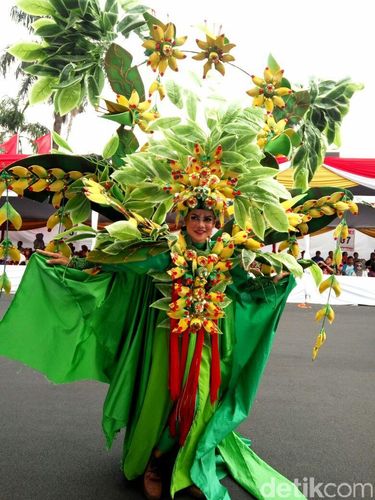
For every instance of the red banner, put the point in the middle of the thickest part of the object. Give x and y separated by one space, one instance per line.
43 144
10 147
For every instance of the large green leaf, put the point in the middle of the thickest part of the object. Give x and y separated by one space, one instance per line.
68 98
123 230
111 147
60 141
128 143
27 51
257 221
290 263
36 7
241 211
276 217
42 89
122 77
79 211
174 92
165 123
191 105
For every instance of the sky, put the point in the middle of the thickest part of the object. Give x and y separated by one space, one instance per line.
324 39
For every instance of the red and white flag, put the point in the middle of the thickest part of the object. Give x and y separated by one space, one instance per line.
44 144
10 147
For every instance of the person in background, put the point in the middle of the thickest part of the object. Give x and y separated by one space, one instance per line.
318 257
20 246
330 255
327 266
344 257
370 265
27 253
348 267
84 251
39 242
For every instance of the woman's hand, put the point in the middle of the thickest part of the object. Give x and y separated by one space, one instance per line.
58 259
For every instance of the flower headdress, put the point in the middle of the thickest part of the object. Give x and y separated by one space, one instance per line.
202 184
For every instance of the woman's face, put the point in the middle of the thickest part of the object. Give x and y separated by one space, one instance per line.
199 224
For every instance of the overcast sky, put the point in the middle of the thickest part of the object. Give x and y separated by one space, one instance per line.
320 38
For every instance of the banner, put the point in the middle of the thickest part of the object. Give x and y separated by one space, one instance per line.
348 244
10 147
44 144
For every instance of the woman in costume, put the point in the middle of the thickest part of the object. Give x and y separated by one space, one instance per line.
212 378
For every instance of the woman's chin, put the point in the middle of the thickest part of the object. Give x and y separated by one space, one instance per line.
199 238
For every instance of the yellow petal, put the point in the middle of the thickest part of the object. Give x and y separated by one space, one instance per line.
254 92
258 100
228 47
149 44
163 64
227 58
172 63
157 33
278 101
143 106
154 60
134 100
268 104
170 31
220 41
207 67
121 99
219 66
180 40
149 116
202 45
178 54
200 57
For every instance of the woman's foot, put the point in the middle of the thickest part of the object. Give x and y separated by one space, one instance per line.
152 485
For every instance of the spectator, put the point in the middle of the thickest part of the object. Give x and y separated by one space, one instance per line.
359 269
330 255
39 242
348 267
318 257
27 253
344 257
327 266
20 246
84 251
370 264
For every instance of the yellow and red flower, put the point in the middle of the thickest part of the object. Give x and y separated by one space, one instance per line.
162 46
216 51
268 91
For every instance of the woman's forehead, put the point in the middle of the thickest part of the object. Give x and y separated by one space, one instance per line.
201 212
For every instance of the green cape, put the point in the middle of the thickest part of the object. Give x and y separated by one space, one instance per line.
72 326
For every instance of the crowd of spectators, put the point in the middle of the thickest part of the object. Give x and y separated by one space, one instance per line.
351 265
39 244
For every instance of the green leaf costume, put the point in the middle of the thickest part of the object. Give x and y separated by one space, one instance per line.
101 328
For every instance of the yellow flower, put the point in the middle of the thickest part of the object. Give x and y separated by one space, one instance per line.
271 130
140 111
157 86
216 51
321 338
268 91
162 47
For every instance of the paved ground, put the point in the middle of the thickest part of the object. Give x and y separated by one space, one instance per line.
310 420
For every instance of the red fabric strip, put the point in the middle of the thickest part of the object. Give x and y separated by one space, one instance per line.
186 405
215 375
